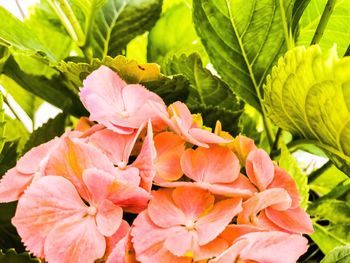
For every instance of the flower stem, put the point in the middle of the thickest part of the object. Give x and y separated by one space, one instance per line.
327 12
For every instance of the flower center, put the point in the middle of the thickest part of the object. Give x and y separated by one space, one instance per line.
91 210
190 225
124 114
122 165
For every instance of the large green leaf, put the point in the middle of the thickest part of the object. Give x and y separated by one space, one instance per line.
8 156
2 123
171 34
15 33
243 39
169 88
118 22
289 164
52 90
208 94
28 102
307 94
11 256
337 30
338 255
49 130
16 131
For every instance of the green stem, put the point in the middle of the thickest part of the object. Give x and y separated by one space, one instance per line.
327 12
69 20
275 143
317 173
11 108
287 34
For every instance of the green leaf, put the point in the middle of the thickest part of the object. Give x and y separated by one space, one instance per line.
243 39
329 237
137 48
290 165
8 156
11 256
28 102
52 90
49 130
2 123
15 33
337 30
338 255
307 94
328 180
173 35
117 22
16 131
336 211
208 94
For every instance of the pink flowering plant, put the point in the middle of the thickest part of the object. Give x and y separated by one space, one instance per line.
183 132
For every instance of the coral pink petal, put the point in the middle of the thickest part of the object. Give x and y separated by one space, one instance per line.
116 146
180 109
108 217
260 168
192 201
206 136
273 247
233 232
181 242
30 162
163 115
169 148
232 253
118 236
283 180
163 211
275 197
145 160
136 97
294 220
45 204
98 183
12 185
131 198
214 165
212 249
75 241
264 222
71 158
216 220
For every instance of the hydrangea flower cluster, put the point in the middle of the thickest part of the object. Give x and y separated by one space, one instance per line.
184 184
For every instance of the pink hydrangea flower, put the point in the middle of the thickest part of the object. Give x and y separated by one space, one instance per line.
278 198
182 224
118 106
17 179
77 204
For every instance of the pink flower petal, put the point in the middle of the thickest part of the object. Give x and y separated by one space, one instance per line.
13 184
192 201
116 146
242 146
75 241
260 168
117 239
30 162
232 253
169 147
283 180
108 217
180 109
45 204
212 249
71 158
216 220
214 165
145 160
273 247
294 220
181 242
275 197
162 210
233 232
98 183
205 136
